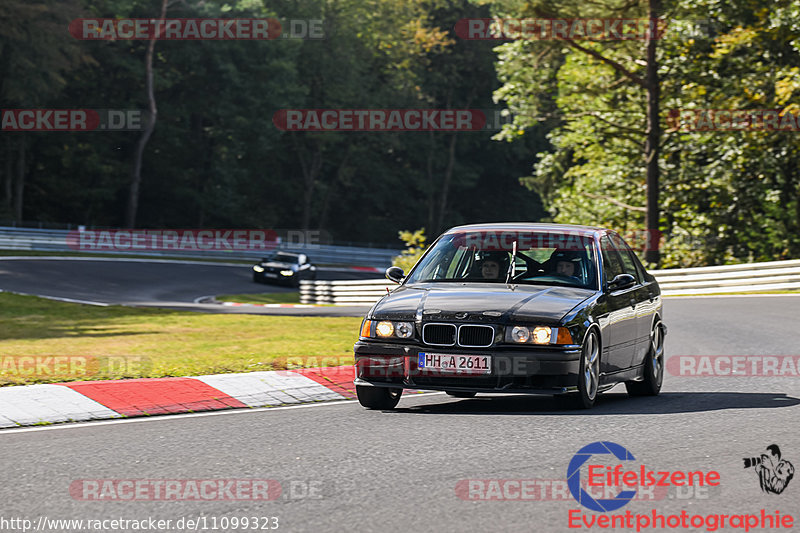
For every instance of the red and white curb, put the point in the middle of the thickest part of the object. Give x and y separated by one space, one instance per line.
94 400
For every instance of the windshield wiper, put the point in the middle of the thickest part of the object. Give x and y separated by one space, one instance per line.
512 268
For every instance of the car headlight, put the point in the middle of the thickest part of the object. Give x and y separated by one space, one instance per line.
520 334
386 328
404 330
258 268
538 335
542 335
287 272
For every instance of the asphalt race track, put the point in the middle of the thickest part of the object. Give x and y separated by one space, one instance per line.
343 468
153 283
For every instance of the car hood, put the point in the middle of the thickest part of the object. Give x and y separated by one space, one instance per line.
482 302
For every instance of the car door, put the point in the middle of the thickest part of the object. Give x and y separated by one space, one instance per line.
619 335
640 296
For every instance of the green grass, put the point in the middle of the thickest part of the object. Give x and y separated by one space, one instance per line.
263 298
160 342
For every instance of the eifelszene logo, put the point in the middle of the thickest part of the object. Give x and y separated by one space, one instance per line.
574 476
774 473
608 478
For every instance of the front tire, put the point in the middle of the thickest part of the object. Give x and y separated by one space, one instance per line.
378 397
588 374
653 371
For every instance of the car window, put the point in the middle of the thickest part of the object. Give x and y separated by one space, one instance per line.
284 258
462 260
562 258
626 254
612 264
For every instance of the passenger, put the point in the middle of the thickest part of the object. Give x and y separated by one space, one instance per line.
490 269
493 266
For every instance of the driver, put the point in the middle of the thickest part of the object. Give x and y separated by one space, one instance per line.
566 264
565 268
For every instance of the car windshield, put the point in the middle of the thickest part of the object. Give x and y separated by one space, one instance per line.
284 258
542 258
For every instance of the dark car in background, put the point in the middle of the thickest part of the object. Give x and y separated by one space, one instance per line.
284 268
515 308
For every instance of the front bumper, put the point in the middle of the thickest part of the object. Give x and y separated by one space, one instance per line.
275 278
529 370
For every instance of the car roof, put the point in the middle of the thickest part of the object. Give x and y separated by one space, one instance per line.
528 226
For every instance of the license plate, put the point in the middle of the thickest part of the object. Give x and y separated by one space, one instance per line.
456 364
271 275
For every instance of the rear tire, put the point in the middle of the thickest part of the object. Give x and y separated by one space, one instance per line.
460 394
378 397
653 370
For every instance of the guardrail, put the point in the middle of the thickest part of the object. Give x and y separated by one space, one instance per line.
50 240
775 275
752 277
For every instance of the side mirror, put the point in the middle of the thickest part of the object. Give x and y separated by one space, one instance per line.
621 281
395 274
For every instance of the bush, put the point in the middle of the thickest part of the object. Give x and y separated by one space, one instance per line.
415 247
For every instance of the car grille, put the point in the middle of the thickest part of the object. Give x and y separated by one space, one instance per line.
475 336
439 334
469 336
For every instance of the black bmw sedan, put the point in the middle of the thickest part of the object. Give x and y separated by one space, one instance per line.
284 268
515 308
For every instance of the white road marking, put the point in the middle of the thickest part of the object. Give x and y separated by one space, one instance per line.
159 418
60 299
120 259
756 295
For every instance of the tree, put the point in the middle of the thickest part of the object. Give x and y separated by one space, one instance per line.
597 77
35 54
149 126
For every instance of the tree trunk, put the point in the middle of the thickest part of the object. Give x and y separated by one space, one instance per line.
19 192
136 176
653 142
8 179
323 216
448 175
431 185
311 170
